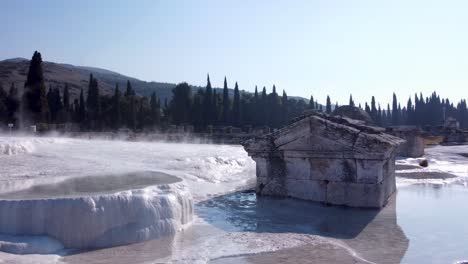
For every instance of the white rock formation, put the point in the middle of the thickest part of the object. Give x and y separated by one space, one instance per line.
101 211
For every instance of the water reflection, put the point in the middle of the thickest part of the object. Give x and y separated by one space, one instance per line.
374 234
434 217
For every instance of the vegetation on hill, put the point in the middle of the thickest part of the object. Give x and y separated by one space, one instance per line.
93 110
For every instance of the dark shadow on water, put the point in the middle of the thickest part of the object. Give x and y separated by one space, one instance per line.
244 211
372 233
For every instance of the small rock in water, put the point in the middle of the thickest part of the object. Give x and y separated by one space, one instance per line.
423 163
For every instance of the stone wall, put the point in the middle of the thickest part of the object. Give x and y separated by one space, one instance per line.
414 145
327 159
351 182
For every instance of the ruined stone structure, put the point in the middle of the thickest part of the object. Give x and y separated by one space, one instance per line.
353 112
414 145
334 160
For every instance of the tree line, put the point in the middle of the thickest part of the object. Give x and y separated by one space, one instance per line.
93 111
417 111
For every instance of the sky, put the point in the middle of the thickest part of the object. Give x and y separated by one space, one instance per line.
308 47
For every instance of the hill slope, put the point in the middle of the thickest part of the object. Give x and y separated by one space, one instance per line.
56 74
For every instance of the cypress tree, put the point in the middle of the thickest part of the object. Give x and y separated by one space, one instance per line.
367 109
3 106
36 108
226 103
141 114
395 118
12 104
66 103
93 104
66 98
181 103
263 107
129 90
328 108
82 109
373 109
274 119
214 108
197 110
311 103
207 102
285 110
54 101
155 110
389 115
410 112
351 101
116 115
379 116
236 111
130 109
256 116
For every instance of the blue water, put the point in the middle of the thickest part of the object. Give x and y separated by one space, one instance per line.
435 220
421 224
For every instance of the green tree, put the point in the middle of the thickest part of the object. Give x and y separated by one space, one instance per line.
236 111
285 108
3 106
328 107
197 110
351 101
155 110
395 113
311 103
54 101
116 111
207 102
93 104
66 103
226 102
130 107
181 103
12 104
82 108
373 112
35 104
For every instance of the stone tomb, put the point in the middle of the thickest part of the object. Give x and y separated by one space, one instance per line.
414 145
334 160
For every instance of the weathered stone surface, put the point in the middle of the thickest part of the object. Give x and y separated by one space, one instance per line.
414 145
335 160
352 112
307 189
298 168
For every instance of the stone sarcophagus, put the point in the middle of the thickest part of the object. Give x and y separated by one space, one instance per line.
334 160
414 145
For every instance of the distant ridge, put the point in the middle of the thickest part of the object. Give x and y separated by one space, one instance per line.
15 70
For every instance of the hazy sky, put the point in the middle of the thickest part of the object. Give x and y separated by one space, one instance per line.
305 47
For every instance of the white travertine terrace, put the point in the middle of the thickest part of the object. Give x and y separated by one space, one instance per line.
99 211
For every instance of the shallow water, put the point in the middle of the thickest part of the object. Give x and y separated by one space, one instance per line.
423 224
435 220
91 185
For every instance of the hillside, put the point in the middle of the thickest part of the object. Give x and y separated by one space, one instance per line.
56 74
